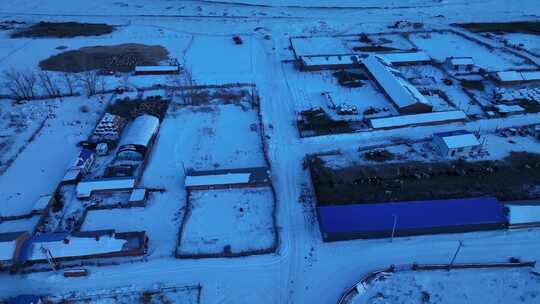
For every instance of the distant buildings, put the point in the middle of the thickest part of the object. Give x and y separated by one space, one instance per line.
456 143
516 77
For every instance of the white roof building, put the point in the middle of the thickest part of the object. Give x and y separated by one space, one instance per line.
417 119
86 188
404 95
456 143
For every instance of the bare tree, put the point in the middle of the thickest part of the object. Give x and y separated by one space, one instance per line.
69 82
22 85
91 82
48 84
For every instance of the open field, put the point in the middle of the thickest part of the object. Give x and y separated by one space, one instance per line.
440 45
514 285
229 222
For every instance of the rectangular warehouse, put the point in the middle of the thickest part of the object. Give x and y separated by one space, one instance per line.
364 221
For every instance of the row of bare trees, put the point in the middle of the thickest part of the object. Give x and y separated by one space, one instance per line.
28 84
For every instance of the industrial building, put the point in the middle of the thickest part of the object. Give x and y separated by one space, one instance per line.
384 220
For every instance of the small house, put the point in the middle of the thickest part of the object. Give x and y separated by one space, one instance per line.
138 197
460 64
456 143
509 109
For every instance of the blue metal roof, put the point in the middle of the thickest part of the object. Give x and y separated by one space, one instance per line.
410 215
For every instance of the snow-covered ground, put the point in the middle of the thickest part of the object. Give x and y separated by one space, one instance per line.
298 272
240 219
519 285
42 163
446 44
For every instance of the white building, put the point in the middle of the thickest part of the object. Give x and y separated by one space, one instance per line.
460 64
456 143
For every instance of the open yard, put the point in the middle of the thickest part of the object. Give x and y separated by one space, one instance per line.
208 136
229 222
498 286
440 45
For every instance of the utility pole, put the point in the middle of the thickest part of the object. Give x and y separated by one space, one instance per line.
394 227
455 255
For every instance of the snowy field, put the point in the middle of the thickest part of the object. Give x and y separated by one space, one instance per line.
42 163
207 137
228 222
447 44
499 286
162 295
198 34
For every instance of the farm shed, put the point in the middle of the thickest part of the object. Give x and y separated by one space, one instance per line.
402 94
509 109
228 178
516 77
139 135
157 70
417 119
328 62
10 246
456 143
86 188
366 221
80 245
523 214
405 58
460 64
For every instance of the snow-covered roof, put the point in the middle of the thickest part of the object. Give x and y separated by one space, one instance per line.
405 57
157 68
140 131
75 246
508 76
42 203
217 179
523 214
458 139
71 175
402 93
415 119
456 61
531 75
85 188
502 108
347 59
8 244
137 195
7 249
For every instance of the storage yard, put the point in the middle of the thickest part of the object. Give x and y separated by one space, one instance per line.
239 152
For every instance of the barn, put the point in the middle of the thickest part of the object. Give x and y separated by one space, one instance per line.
381 220
405 97
456 143
157 70
227 178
